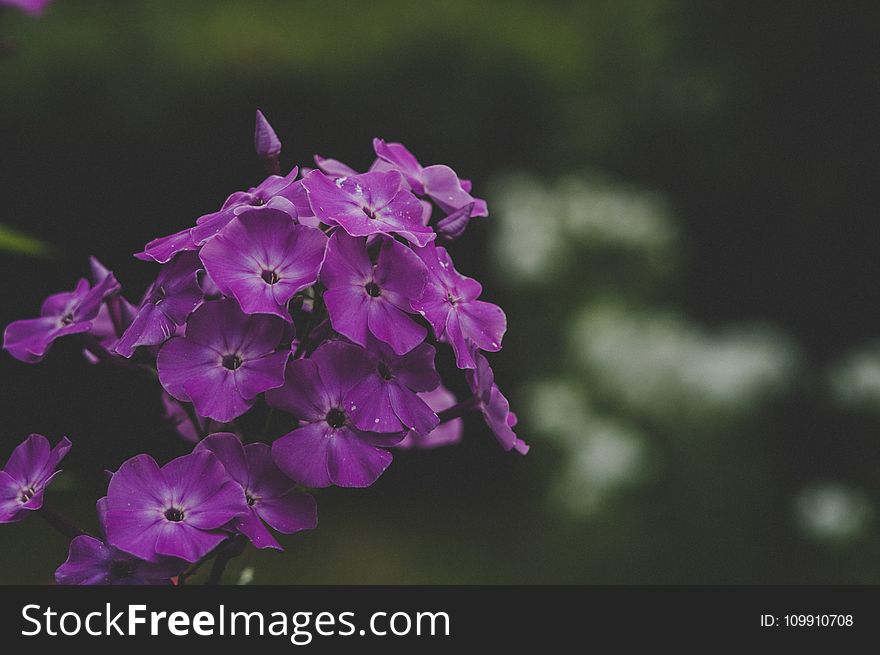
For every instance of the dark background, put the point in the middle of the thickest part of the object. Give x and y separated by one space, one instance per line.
122 121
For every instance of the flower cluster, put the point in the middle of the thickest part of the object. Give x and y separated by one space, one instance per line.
317 298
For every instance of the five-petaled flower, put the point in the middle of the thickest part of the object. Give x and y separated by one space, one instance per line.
328 448
450 304
262 258
31 467
378 202
225 360
174 511
363 298
62 314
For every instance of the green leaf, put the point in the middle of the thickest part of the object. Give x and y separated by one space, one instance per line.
18 242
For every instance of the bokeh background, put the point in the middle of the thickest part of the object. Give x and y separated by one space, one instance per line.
683 233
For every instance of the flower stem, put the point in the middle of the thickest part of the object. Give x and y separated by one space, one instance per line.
459 409
58 522
230 549
194 419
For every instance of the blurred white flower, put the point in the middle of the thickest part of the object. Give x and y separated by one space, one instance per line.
601 456
855 380
832 512
540 227
666 368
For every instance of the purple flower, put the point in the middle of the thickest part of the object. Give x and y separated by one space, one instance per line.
328 448
266 142
494 406
386 399
263 258
224 361
173 511
362 298
30 469
91 561
371 203
62 314
450 304
445 434
182 423
165 306
439 182
271 496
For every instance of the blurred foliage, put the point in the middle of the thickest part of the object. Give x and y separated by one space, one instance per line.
17 242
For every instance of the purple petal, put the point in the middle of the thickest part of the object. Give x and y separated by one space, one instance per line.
180 361
445 434
334 167
184 541
303 453
341 366
87 563
303 393
349 308
412 411
229 450
483 323
354 462
292 512
394 326
252 527
346 262
369 406
266 142
10 499
29 460
400 270
164 248
402 159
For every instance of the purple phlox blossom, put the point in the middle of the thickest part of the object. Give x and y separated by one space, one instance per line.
173 511
224 361
494 406
266 142
165 306
336 168
30 468
445 434
386 399
363 298
180 420
438 182
263 258
328 448
450 305
31 7
62 314
370 203
272 497
92 561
